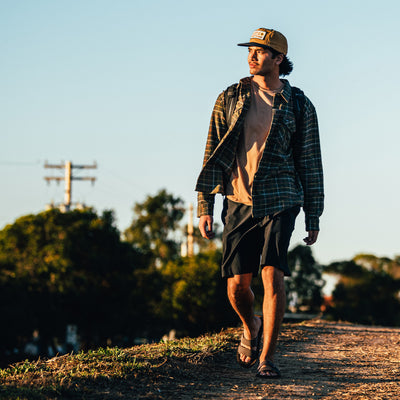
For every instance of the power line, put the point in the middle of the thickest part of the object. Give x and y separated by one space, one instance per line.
20 163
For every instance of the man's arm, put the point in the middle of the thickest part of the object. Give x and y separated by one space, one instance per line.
307 157
205 183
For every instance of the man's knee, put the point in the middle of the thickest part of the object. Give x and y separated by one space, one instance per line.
239 283
270 272
272 277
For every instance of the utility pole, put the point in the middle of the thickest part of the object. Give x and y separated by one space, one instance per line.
190 238
68 178
187 246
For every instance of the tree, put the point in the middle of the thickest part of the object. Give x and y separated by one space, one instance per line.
367 292
305 285
194 295
153 227
65 268
379 264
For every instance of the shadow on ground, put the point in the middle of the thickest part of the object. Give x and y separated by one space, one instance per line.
318 360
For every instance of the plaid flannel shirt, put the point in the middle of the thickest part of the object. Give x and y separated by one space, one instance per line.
290 170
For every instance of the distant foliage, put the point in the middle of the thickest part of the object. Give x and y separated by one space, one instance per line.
76 268
304 287
60 268
64 268
194 295
368 291
153 226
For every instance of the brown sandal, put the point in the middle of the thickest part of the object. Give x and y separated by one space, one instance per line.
249 348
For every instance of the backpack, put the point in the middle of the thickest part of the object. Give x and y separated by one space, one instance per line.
298 98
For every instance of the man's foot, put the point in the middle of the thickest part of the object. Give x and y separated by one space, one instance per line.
268 370
248 350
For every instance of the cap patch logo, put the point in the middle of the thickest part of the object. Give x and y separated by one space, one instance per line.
258 35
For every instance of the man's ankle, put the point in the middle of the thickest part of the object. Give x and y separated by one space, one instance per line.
253 328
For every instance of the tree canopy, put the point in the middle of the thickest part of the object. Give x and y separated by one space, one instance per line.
64 268
153 227
368 291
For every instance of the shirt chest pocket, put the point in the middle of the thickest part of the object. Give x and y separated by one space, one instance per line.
282 133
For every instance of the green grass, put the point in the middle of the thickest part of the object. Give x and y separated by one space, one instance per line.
77 373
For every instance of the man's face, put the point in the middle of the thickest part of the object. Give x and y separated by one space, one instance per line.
261 62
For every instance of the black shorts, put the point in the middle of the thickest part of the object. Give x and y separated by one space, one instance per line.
249 242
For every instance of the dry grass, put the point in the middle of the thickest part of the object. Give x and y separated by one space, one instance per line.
70 374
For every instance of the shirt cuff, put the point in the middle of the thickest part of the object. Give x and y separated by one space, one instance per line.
312 224
205 204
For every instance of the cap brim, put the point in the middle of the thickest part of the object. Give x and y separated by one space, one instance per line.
253 44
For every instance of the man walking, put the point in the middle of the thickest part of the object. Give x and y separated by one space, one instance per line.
263 155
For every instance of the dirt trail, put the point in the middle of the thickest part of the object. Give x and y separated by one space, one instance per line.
318 360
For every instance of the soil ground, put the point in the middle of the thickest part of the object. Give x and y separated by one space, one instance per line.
318 360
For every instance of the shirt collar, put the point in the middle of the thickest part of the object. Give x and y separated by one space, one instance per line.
286 91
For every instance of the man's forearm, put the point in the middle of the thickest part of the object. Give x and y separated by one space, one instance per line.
205 204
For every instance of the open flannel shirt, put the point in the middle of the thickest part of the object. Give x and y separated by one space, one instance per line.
290 170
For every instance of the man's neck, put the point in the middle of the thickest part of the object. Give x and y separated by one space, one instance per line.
268 82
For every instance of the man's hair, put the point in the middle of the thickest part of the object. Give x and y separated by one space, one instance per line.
286 66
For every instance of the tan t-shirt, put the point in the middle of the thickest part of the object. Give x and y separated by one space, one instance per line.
251 145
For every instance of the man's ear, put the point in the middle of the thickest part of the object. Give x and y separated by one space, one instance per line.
279 58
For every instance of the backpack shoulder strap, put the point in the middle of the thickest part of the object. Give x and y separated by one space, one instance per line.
231 96
299 100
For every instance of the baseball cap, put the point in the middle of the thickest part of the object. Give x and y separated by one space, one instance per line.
263 37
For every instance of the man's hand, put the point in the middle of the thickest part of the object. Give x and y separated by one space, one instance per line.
311 238
206 226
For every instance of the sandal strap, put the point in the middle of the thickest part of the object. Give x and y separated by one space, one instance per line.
248 343
247 347
267 365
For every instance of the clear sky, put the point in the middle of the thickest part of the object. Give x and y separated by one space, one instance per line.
131 85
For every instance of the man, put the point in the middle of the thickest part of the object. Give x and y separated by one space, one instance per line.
263 155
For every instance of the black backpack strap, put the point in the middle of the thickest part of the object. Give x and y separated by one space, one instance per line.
231 96
299 100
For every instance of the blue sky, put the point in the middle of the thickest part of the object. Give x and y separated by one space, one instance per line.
131 85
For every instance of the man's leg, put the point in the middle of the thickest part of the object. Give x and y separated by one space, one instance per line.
273 309
241 298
